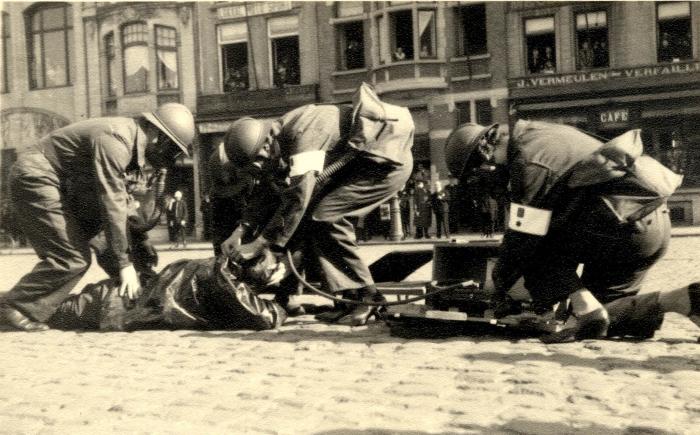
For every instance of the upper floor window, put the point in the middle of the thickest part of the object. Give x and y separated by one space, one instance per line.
401 35
284 47
471 30
5 33
351 45
166 62
111 64
674 32
540 45
592 40
135 54
233 44
49 44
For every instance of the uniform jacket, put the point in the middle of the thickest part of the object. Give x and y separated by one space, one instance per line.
91 159
335 131
179 211
423 207
551 166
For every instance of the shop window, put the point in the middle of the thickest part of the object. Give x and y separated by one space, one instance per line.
4 73
135 54
284 47
348 9
402 35
351 46
110 65
471 30
426 34
50 42
540 45
167 62
592 40
484 112
674 32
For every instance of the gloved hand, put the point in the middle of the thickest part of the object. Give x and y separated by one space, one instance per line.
233 243
130 285
279 271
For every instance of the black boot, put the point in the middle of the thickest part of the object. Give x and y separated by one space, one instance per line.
362 313
694 295
12 317
591 325
291 306
339 310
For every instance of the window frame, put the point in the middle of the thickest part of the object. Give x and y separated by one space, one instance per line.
458 15
6 38
67 30
658 30
175 48
578 12
221 44
271 53
124 46
526 56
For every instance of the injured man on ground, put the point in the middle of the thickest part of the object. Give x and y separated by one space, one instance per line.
213 293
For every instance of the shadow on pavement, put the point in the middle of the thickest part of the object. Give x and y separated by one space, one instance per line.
517 426
660 364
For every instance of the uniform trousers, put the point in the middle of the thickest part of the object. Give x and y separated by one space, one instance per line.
57 232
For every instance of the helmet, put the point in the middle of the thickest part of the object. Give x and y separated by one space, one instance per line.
244 138
461 144
176 121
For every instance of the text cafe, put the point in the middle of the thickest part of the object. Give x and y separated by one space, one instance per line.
661 100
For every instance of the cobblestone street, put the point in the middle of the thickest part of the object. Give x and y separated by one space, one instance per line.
310 378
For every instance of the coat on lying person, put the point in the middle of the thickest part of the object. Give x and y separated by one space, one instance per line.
204 294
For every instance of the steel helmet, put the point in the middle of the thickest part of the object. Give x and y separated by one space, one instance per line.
176 121
461 144
244 138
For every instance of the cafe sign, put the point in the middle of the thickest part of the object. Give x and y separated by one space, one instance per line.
250 9
614 116
605 75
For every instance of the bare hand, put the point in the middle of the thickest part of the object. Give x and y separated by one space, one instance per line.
130 285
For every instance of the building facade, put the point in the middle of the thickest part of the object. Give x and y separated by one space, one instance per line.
604 67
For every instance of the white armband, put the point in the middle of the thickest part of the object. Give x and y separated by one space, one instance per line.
529 220
300 164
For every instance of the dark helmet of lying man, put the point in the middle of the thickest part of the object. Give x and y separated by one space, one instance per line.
245 138
468 147
176 122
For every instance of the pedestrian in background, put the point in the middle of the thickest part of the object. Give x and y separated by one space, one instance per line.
441 208
406 205
423 213
70 186
170 218
180 216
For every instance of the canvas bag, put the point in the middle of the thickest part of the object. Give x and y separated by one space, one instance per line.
379 128
622 158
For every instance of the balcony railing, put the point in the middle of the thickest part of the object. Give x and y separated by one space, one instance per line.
256 102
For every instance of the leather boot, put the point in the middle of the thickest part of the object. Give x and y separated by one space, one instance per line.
290 305
591 325
361 314
694 295
14 318
339 310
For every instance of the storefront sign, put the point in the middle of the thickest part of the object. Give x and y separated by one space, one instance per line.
614 116
606 75
251 9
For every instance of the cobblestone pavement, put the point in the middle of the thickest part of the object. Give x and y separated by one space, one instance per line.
309 378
